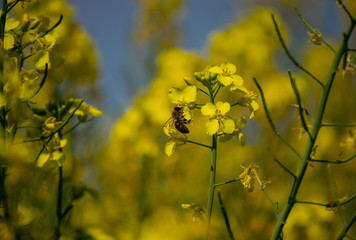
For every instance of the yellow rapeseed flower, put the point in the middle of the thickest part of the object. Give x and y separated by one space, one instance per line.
218 120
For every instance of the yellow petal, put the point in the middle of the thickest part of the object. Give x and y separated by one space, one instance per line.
208 109
223 107
58 156
95 112
63 143
230 68
42 159
189 94
175 95
212 126
237 80
242 139
228 125
187 113
170 147
11 23
42 59
215 69
50 40
225 80
253 107
184 205
239 88
9 41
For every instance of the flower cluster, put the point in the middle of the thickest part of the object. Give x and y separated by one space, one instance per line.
220 122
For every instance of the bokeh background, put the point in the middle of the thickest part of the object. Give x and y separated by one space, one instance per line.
123 56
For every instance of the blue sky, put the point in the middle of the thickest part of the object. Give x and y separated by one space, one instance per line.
110 24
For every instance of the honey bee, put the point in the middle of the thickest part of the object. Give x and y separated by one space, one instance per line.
179 120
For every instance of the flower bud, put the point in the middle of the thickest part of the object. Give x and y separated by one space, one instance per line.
197 76
188 81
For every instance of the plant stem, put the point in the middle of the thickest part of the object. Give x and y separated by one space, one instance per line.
212 182
314 133
59 201
347 227
226 218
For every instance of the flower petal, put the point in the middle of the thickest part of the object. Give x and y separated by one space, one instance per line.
230 68
170 147
212 126
175 95
225 80
215 69
223 107
9 41
189 94
228 125
208 109
11 23
42 159
242 139
253 107
237 80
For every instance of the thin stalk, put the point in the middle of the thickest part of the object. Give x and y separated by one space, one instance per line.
330 204
335 162
268 115
338 125
314 133
299 101
200 144
290 56
212 183
282 165
59 201
227 182
312 29
226 218
347 227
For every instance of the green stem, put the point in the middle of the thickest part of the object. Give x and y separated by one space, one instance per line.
59 202
338 125
227 182
335 162
290 56
312 29
212 182
200 144
314 133
347 227
226 218
270 121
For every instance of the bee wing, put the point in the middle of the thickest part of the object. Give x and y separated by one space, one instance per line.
167 126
